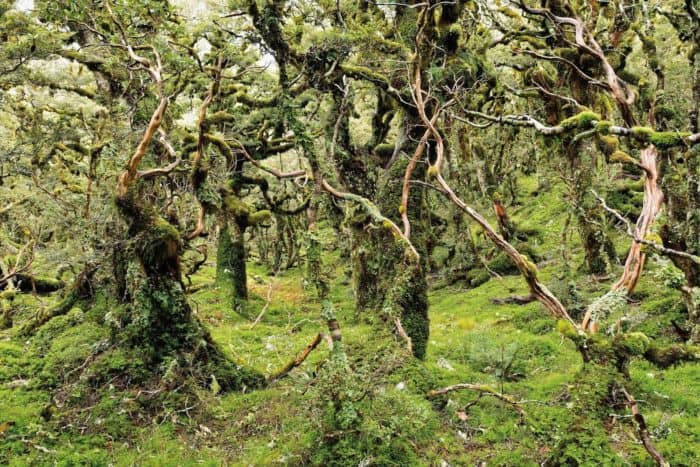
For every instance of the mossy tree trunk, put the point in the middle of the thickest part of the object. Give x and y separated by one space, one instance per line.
159 325
230 262
383 279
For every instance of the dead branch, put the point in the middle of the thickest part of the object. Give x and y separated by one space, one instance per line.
298 360
482 390
268 300
644 434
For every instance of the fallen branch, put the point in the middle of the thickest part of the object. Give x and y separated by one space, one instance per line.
514 300
482 390
281 373
268 300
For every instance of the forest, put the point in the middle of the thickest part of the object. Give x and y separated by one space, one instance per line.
350 232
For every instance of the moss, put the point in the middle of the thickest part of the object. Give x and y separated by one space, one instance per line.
667 139
502 264
642 133
361 71
542 75
384 150
231 267
634 343
603 127
476 277
234 206
159 247
582 120
623 157
566 329
665 356
609 144
259 217
532 271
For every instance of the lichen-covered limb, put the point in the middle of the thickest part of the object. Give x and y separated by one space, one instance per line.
524 265
644 431
586 121
374 213
483 390
296 361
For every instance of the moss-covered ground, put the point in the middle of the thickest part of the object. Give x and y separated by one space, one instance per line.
515 349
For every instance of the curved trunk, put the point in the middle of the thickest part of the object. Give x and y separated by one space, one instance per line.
653 199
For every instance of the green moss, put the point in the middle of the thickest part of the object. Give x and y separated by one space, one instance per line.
667 139
566 329
236 207
159 246
642 133
609 144
665 356
502 264
634 343
231 267
623 157
582 120
68 350
259 217
603 127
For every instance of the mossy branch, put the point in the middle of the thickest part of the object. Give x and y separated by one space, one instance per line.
586 121
373 211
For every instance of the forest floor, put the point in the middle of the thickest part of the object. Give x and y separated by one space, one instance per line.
514 349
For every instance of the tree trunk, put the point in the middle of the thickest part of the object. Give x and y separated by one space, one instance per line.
230 263
653 199
159 324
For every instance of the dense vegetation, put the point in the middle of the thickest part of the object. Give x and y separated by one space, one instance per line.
350 232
